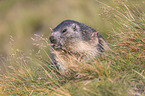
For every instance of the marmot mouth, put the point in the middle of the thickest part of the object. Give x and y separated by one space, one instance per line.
56 47
59 48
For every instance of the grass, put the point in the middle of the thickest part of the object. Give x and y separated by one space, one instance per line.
119 72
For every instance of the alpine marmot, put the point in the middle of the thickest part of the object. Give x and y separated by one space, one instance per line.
73 39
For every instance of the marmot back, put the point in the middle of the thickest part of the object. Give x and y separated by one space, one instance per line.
73 39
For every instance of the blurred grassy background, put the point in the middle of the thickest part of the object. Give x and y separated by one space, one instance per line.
21 19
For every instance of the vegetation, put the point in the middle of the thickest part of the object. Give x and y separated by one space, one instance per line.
25 65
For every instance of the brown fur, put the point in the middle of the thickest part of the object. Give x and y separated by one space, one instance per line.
72 40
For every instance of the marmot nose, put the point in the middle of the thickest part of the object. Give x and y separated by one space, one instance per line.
52 39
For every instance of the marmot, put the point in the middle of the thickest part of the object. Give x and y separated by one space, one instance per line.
73 39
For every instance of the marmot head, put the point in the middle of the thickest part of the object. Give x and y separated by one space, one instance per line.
65 33
70 34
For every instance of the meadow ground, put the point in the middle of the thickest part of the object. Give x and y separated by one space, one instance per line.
25 65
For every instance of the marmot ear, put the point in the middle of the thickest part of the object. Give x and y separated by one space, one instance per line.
102 42
75 27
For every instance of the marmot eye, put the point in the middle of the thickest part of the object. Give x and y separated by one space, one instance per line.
64 30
